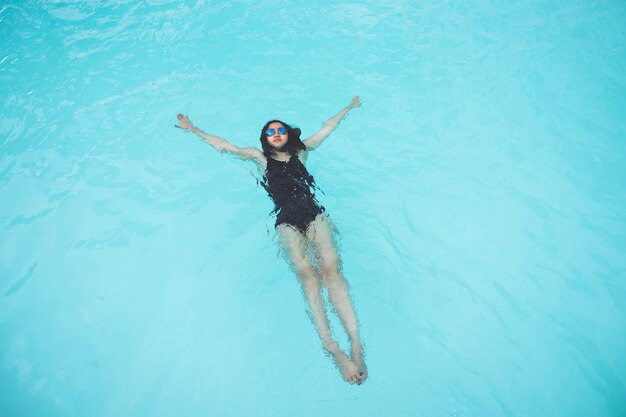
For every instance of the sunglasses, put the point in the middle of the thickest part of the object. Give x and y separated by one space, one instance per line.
271 131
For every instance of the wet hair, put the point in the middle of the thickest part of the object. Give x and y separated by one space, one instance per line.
293 145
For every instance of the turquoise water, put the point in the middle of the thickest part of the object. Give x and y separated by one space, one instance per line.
480 192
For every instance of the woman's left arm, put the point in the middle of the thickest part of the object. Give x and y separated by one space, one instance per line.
330 125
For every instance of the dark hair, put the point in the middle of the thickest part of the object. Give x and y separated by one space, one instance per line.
293 145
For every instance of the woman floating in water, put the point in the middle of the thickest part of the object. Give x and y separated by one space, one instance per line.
301 223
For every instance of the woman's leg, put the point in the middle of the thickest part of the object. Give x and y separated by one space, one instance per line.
294 246
320 233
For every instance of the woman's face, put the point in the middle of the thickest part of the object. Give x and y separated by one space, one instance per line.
276 135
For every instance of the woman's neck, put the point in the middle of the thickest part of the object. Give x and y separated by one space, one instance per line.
281 156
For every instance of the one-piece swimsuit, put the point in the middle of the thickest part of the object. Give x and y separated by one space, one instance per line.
292 189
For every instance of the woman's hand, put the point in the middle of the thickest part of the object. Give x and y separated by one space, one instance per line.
356 102
183 122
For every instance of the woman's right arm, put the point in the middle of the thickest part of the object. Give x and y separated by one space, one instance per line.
221 145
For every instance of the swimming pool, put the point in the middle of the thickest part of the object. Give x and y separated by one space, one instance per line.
480 193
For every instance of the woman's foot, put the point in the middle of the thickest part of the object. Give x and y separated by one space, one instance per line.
348 369
356 354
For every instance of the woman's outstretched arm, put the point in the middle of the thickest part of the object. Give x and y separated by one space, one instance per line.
221 145
330 125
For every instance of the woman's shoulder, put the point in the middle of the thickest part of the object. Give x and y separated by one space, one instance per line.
254 155
303 155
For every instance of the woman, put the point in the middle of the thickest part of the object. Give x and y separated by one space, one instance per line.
301 223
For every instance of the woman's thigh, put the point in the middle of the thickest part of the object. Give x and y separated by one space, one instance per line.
294 247
321 234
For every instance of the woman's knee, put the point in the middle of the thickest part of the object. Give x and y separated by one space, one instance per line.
329 266
333 278
303 269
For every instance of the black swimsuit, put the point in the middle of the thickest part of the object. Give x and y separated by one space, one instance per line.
292 189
